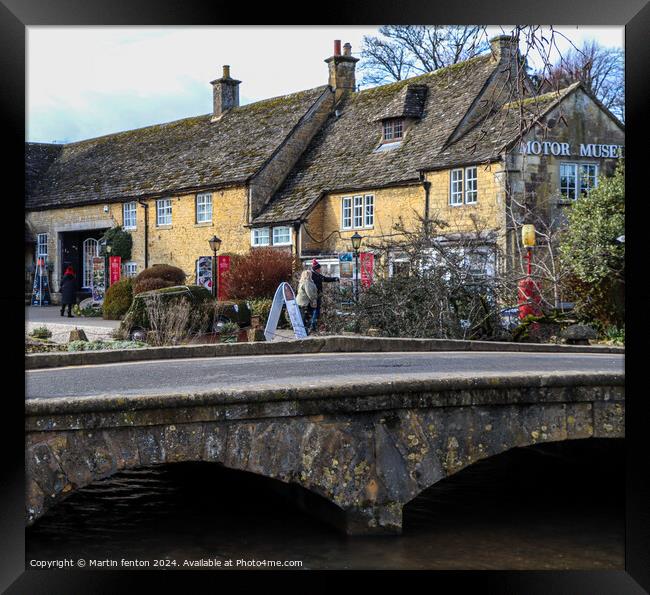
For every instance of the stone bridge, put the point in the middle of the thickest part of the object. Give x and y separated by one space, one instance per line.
367 448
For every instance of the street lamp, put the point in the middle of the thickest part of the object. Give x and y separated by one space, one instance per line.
107 280
528 240
356 244
215 244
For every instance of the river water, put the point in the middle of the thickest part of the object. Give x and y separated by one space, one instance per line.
554 506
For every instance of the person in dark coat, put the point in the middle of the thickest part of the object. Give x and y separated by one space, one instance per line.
318 278
67 289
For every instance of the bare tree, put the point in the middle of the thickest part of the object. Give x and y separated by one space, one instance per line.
599 68
401 51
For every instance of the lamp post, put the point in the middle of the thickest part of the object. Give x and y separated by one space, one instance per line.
528 240
215 244
356 244
107 278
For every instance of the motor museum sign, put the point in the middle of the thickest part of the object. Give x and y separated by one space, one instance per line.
557 149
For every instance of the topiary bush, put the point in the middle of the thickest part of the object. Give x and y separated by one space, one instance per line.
166 272
258 273
150 284
118 299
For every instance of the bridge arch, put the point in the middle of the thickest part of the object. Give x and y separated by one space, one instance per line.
367 454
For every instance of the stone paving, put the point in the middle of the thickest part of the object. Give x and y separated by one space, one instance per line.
50 316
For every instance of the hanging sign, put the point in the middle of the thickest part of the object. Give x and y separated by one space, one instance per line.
284 296
223 266
204 272
115 268
367 264
99 279
41 287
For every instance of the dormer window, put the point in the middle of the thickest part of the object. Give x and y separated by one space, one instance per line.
393 130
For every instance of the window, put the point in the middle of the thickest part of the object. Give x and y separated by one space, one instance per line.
577 179
204 208
393 130
369 219
347 212
456 187
281 236
357 212
129 269
41 246
471 185
128 215
260 236
164 211
464 186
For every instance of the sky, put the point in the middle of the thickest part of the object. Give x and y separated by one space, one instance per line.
84 82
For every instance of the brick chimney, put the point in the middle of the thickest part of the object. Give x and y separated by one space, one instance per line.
225 93
504 47
341 70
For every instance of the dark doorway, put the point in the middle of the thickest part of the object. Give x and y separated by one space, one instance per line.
76 247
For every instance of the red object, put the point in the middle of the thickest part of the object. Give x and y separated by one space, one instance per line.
315 264
223 266
68 271
115 268
337 47
530 298
367 265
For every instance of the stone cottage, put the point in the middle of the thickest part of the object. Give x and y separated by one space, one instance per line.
305 171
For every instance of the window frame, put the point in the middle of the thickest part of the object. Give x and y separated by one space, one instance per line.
197 198
346 200
390 128
159 202
134 212
288 242
366 204
456 192
354 211
466 181
126 266
39 245
577 176
255 231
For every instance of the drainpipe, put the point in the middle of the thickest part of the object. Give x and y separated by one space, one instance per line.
427 188
146 233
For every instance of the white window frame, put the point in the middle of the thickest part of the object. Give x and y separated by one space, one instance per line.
471 185
276 231
129 210
203 207
576 188
41 246
346 212
163 207
129 268
456 187
357 212
255 236
369 211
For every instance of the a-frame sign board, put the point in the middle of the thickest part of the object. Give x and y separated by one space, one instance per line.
41 288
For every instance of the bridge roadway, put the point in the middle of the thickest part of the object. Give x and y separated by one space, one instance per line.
174 376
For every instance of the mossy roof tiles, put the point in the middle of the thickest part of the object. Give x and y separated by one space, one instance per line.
184 154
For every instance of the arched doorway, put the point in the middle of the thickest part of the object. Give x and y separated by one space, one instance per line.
90 251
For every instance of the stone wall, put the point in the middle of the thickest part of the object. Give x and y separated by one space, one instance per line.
366 450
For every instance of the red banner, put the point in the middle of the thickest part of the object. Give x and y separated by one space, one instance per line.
367 265
223 266
115 268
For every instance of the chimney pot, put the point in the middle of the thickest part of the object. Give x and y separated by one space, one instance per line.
226 71
347 50
337 47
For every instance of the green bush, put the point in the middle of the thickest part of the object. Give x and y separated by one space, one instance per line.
88 311
615 335
118 299
41 332
261 307
150 284
162 271
120 242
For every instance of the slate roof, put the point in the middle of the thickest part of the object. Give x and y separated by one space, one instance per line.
407 103
343 154
186 154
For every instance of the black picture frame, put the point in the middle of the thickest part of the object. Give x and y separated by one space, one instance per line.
16 15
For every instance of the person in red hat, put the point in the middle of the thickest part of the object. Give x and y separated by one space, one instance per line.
67 289
318 278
